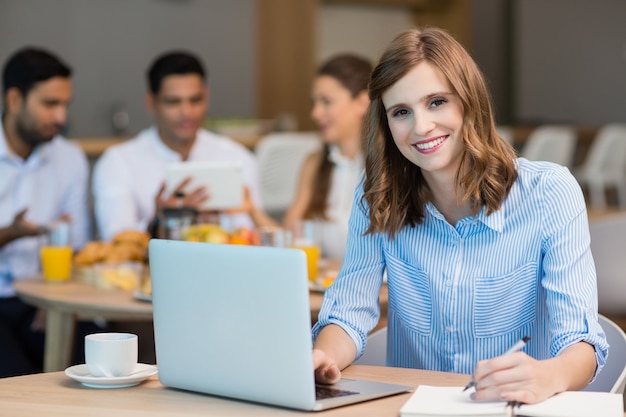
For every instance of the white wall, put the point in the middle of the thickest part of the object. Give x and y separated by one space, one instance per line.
490 49
364 30
570 61
110 44
569 56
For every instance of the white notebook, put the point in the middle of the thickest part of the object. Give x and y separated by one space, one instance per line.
429 401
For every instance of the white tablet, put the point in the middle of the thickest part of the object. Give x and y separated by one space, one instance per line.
224 181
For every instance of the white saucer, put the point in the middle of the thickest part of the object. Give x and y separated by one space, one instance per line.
142 296
81 374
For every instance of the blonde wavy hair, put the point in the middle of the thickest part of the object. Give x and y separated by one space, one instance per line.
395 189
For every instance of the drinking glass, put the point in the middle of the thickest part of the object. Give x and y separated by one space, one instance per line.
304 238
57 253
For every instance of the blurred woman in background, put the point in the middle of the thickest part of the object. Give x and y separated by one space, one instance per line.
328 177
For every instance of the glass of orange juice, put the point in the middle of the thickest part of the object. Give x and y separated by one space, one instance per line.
57 253
304 238
56 262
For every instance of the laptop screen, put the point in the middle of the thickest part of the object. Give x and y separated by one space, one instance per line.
233 320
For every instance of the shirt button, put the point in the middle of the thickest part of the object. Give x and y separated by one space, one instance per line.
448 283
448 329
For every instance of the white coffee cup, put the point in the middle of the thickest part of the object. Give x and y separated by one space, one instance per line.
111 354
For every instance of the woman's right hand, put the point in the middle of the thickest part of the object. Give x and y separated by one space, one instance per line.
326 370
333 350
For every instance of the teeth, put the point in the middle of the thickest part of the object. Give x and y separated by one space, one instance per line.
429 145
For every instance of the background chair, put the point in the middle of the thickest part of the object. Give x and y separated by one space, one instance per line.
608 240
376 349
604 166
551 143
612 378
280 157
506 132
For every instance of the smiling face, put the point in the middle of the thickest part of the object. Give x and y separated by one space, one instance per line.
179 107
425 118
337 113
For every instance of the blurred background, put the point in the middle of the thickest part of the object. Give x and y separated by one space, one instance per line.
547 61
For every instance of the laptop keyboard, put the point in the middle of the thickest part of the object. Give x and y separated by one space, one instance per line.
323 391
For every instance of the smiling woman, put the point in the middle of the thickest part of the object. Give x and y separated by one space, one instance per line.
445 89
481 248
424 116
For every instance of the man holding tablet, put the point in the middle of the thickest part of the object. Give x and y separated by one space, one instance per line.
129 180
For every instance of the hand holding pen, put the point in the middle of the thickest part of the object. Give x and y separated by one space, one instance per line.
517 346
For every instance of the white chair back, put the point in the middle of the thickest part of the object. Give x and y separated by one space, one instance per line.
605 166
506 132
375 353
608 240
551 143
612 378
280 156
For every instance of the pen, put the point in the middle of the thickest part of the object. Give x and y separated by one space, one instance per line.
517 346
510 408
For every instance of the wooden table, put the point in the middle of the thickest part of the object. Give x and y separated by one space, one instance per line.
54 394
595 215
95 146
70 301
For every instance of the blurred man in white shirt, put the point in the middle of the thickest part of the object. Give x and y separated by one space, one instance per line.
129 178
44 178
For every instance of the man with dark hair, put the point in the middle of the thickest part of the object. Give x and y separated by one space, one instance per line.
128 180
173 63
43 178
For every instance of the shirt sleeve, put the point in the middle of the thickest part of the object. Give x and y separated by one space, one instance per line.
76 201
569 272
114 201
352 301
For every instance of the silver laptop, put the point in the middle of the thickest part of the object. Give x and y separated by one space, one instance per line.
234 321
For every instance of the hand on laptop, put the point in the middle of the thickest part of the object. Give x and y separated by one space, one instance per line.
333 351
326 370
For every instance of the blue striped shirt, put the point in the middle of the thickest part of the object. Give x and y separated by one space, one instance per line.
460 294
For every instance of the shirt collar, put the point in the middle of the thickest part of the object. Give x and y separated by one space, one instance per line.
4 146
494 221
38 156
164 150
161 147
335 156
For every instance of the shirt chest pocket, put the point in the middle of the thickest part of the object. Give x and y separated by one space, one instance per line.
505 303
410 295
